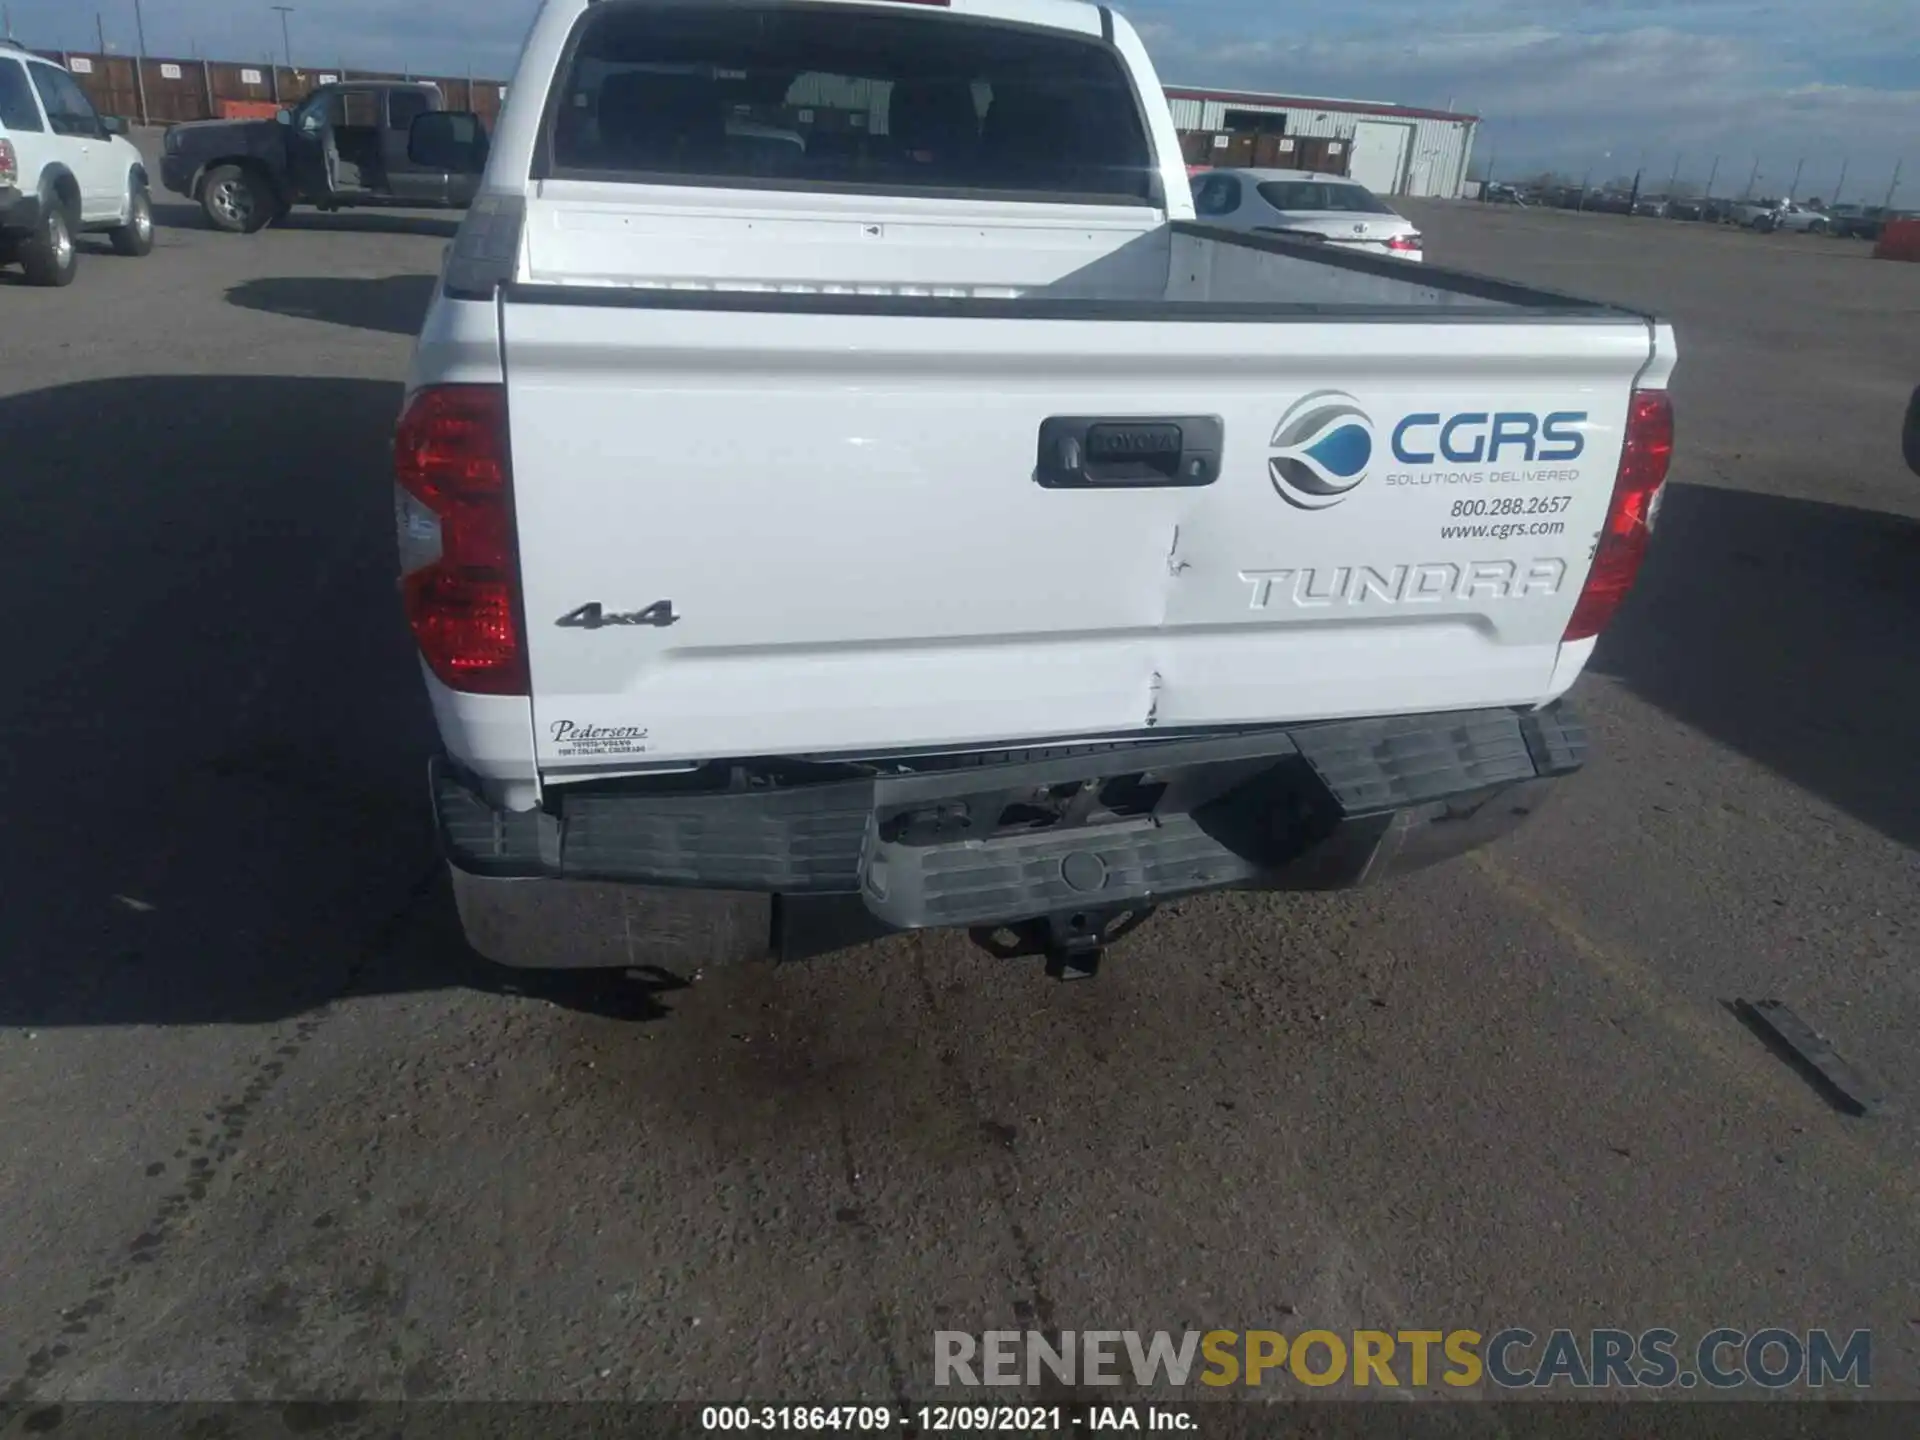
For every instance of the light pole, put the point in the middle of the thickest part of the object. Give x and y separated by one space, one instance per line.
140 64
285 39
1587 184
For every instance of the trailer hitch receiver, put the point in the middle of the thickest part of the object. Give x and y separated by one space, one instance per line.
1073 942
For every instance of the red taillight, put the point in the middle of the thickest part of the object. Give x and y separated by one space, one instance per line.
1404 242
9 164
456 538
1636 493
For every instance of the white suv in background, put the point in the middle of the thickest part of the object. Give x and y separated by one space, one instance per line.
63 170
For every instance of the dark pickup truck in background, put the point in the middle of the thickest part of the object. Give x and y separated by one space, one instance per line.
344 145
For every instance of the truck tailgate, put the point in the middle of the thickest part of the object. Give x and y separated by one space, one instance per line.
765 531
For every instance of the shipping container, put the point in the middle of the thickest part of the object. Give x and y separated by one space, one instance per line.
1323 154
179 91
1266 152
1273 151
1900 240
242 82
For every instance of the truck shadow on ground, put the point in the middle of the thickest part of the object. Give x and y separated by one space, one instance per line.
182 215
395 304
442 224
212 778
1788 630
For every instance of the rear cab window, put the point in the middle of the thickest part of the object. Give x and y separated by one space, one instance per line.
404 107
1216 195
791 96
362 109
1321 195
17 110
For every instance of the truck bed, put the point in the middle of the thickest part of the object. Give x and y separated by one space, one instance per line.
1067 263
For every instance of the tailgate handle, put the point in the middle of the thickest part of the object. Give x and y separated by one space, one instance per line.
1093 453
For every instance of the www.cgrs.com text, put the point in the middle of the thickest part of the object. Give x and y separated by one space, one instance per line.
1773 1358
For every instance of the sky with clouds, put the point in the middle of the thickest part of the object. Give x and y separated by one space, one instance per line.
1574 84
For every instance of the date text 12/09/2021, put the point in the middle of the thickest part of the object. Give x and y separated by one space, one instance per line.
949 1419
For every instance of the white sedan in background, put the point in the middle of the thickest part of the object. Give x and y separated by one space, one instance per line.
1305 205
1794 219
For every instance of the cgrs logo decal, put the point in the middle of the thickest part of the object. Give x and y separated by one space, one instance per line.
1324 445
1322 448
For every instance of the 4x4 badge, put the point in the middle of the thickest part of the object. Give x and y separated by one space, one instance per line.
595 617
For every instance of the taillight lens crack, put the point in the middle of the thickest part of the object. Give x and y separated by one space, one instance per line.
1644 462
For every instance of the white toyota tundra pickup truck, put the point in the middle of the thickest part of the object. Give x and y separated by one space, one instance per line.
838 469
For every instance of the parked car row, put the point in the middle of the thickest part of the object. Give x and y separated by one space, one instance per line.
1862 222
1767 216
66 170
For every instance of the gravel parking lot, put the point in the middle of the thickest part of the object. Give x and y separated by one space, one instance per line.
271 1132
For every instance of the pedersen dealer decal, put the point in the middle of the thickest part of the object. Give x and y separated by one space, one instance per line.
575 740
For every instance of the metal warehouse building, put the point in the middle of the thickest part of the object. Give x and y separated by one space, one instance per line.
1391 149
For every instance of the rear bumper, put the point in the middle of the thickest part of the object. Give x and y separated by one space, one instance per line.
972 842
19 213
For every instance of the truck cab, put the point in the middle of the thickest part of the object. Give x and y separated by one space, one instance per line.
348 146
344 145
